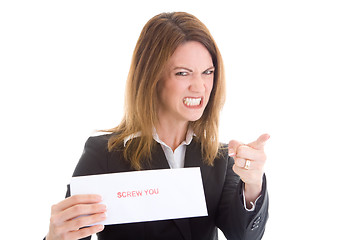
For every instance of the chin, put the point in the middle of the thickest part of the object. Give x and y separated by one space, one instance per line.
194 118
192 115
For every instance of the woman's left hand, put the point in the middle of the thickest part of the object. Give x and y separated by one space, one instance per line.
249 164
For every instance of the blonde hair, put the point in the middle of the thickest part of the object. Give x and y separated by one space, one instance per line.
157 42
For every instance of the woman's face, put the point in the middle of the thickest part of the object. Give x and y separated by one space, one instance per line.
186 83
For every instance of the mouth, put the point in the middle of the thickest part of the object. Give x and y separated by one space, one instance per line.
192 102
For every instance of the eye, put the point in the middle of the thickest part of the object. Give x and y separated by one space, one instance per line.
208 72
181 74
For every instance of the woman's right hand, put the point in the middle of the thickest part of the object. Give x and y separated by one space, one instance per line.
70 216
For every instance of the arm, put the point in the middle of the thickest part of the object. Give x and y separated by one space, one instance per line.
232 217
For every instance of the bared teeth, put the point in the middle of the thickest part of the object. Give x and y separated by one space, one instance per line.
192 101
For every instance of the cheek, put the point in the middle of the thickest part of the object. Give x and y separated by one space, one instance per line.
209 86
171 91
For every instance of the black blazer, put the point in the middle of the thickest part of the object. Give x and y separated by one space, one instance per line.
223 193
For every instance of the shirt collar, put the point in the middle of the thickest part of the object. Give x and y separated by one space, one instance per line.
188 138
135 135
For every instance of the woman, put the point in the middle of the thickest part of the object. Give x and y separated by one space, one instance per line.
175 90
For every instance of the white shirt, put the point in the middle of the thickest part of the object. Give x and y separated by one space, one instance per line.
176 158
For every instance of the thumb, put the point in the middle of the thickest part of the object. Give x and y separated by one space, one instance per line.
260 142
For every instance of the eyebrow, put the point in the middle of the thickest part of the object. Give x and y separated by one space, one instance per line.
188 69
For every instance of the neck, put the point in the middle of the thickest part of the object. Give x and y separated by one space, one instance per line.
172 134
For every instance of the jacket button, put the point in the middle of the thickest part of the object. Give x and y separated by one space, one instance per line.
256 223
254 227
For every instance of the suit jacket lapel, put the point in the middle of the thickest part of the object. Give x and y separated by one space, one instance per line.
158 160
193 158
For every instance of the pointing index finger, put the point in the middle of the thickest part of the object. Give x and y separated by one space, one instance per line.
260 142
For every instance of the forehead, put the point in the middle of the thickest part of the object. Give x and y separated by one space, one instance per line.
191 54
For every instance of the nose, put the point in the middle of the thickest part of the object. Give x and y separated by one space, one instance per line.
197 84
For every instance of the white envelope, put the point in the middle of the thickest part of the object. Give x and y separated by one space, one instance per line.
146 195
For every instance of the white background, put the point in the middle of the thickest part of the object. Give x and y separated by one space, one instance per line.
292 70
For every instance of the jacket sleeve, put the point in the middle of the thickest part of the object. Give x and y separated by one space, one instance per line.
232 217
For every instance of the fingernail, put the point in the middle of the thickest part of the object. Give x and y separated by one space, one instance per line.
104 207
102 216
231 153
98 198
267 137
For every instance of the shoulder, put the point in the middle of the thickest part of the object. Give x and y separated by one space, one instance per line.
98 141
94 157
